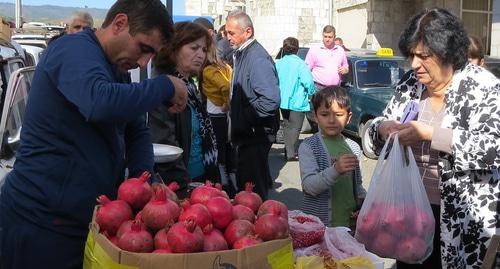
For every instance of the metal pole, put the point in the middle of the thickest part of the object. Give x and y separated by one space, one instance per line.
19 14
169 6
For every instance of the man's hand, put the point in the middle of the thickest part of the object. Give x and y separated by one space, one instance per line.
345 163
343 70
225 107
179 99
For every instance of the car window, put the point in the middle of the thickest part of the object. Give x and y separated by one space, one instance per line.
302 53
379 73
15 105
494 68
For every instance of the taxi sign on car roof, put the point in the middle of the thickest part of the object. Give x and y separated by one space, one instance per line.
386 52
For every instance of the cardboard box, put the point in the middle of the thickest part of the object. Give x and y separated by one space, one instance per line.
100 253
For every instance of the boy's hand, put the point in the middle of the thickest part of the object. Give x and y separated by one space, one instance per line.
345 163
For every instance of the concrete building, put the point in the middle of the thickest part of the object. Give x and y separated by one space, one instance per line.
361 23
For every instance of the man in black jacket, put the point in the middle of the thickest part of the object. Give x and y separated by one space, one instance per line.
255 100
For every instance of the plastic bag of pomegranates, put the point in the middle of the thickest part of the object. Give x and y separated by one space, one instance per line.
306 230
396 219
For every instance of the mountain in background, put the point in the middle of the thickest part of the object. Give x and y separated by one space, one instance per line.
49 13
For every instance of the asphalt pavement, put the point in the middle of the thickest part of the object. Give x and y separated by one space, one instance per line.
287 188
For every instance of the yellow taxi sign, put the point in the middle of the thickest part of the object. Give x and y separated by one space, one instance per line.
385 52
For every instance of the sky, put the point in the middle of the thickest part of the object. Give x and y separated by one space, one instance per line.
178 5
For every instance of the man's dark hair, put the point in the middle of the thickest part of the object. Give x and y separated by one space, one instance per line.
329 29
185 32
144 16
290 46
439 31
328 95
204 22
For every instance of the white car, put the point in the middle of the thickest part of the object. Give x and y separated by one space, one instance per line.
39 40
34 54
15 81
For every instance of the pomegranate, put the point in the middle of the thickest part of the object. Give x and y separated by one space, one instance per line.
112 239
160 238
201 194
412 250
238 229
243 212
305 230
160 211
185 204
384 244
126 225
394 220
111 214
136 191
169 190
423 223
270 227
223 192
221 210
199 213
273 207
248 198
246 241
185 237
214 240
136 239
166 250
368 223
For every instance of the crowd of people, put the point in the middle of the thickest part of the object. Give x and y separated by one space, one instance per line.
220 96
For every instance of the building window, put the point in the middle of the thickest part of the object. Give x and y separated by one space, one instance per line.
477 17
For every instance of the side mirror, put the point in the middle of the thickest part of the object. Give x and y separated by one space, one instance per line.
346 84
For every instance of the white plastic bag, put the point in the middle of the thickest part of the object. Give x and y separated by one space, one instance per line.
396 219
306 230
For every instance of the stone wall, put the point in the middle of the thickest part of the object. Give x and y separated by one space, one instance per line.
275 20
361 23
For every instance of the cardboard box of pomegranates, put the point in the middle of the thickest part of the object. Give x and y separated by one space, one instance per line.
100 253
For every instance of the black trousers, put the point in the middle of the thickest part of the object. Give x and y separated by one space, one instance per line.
292 124
434 260
253 166
26 245
225 152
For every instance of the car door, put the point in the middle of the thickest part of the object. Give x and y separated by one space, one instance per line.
12 116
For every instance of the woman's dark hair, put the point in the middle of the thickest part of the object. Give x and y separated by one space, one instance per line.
328 95
144 16
441 32
290 46
475 48
184 32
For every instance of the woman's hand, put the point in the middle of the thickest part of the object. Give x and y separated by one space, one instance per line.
388 127
413 132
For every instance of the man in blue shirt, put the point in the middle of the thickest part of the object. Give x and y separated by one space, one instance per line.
84 124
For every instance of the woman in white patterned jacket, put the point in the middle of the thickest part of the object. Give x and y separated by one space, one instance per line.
455 137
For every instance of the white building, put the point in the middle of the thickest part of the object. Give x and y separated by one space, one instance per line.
361 23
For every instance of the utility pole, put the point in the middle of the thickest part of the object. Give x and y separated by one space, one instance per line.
19 14
169 7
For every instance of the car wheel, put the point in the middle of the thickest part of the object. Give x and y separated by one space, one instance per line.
366 142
